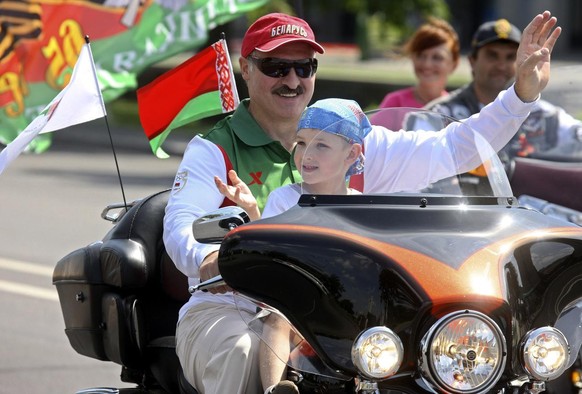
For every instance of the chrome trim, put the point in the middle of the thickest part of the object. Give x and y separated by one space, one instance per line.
99 390
207 284
534 334
364 336
432 380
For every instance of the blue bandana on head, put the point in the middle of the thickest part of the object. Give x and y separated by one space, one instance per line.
340 117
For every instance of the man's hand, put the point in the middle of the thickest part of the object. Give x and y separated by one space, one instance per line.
209 269
533 56
239 193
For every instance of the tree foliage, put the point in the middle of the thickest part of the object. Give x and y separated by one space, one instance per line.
396 13
381 24
393 15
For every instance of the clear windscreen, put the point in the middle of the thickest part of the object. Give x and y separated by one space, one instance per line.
282 339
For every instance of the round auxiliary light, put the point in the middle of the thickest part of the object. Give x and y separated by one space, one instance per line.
377 353
544 353
463 352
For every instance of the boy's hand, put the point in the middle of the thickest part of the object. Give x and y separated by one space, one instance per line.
533 56
239 193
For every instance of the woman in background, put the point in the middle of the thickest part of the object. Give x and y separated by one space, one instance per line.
434 50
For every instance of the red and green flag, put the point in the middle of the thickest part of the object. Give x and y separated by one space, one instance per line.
40 41
202 86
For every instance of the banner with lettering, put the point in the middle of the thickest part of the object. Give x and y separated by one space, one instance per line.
40 41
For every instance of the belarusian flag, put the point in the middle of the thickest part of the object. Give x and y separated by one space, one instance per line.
202 86
80 101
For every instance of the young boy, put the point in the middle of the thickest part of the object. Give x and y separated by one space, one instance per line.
328 151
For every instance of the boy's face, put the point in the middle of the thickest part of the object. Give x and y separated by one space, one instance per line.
323 159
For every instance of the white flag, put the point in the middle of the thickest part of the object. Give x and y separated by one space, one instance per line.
80 101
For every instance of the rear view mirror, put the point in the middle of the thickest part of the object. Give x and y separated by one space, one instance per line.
212 227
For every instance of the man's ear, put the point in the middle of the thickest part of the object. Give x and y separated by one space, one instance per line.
472 58
244 68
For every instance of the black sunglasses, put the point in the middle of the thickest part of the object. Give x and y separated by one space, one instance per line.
279 68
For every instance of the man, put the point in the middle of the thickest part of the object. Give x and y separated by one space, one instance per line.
493 64
277 62
217 351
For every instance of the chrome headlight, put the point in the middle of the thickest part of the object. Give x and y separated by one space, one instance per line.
463 352
377 353
544 353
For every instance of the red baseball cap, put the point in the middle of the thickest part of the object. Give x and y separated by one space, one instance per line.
273 30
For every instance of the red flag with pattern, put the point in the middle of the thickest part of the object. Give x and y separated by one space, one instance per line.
202 86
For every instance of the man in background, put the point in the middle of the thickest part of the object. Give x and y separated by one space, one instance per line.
493 66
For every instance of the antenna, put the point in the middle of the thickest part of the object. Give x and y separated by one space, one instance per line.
107 124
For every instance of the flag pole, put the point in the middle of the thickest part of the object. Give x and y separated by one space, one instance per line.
235 92
106 122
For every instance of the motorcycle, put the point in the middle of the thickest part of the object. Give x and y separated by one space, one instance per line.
451 287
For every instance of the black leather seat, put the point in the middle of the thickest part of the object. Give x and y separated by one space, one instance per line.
120 298
164 292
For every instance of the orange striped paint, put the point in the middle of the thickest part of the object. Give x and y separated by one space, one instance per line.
479 275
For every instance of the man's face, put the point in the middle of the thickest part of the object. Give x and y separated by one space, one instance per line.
494 66
286 97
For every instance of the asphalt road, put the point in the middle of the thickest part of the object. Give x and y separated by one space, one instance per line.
51 205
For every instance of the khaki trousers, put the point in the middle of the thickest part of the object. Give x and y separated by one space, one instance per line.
217 351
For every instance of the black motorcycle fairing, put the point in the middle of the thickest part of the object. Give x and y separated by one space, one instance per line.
316 300
541 279
316 268
401 221
570 323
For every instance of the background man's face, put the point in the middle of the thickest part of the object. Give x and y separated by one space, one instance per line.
494 66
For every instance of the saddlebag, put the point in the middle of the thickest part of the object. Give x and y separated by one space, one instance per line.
96 287
78 281
120 297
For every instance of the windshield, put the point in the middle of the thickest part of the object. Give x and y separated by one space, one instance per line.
284 340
